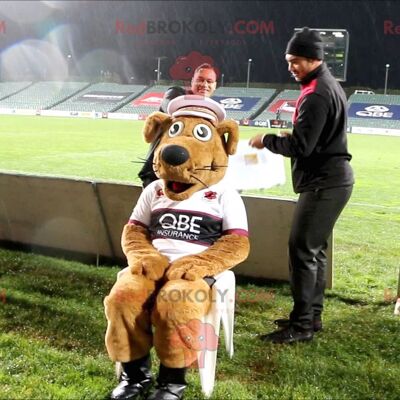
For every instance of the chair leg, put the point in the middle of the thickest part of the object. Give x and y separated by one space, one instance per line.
228 318
118 370
222 308
208 366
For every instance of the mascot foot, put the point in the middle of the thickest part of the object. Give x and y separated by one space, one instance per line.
170 384
135 381
127 390
168 391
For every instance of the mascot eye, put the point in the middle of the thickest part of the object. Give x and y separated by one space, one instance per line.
202 132
175 128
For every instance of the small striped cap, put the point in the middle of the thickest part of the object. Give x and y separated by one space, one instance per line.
196 106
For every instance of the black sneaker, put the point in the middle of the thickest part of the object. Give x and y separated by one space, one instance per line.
285 323
288 335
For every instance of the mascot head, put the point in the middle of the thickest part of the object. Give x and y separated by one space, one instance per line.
196 141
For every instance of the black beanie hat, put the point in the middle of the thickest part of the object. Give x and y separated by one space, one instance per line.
306 43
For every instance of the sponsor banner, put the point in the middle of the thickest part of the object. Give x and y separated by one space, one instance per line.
55 113
152 99
99 97
59 113
251 168
21 111
250 122
375 131
246 122
271 123
283 105
26 112
7 111
237 103
123 116
85 114
374 111
261 123
279 123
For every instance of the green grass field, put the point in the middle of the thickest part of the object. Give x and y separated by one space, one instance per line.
51 315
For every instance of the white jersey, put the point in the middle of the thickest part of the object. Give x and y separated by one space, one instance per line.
180 228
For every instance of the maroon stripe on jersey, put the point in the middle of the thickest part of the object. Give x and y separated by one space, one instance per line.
240 232
136 222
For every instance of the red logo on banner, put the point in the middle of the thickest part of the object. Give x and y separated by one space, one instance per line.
152 99
283 105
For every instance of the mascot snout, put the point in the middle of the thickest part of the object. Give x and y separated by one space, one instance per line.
174 155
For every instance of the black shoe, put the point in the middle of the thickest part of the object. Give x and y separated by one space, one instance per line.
168 391
288 335
129 390
285 323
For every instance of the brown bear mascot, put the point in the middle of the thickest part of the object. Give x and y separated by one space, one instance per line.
186 227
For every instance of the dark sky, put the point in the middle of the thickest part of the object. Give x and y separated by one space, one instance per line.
48 40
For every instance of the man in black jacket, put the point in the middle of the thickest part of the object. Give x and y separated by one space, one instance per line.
204 83
322 176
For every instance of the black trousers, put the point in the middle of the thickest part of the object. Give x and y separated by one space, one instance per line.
313 221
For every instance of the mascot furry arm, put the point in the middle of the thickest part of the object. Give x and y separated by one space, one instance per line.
228 251
203 149
143 258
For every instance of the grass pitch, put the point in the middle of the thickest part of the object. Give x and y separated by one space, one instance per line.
51 315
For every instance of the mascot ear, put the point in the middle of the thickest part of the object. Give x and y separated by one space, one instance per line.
231 128
153 125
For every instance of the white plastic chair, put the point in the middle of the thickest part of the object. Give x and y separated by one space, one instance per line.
222 308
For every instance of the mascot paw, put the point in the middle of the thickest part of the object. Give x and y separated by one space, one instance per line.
136 269
175 273
151 266
195 273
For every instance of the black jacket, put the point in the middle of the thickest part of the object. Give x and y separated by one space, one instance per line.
318 144
146 174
